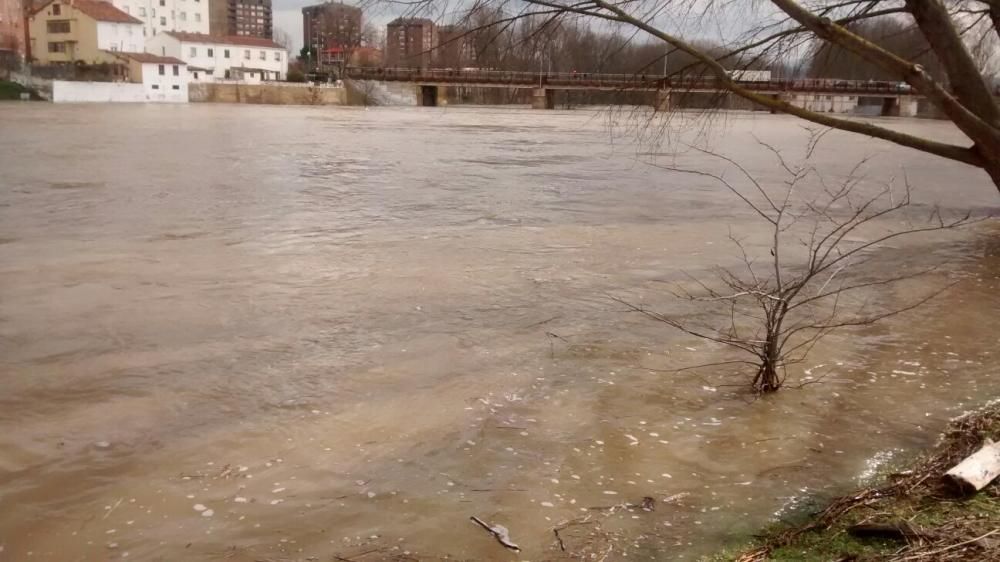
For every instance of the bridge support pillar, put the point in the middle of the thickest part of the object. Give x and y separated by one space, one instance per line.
907 106
429 96
542 98
663 101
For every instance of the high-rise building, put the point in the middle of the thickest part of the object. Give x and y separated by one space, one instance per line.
331 25
456 48
12 29
252 18
410 42
157 16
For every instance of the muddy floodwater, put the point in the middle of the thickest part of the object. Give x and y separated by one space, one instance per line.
263 333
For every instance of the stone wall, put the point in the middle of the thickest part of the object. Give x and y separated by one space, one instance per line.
275 93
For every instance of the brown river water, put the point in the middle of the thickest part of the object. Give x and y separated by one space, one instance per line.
265 333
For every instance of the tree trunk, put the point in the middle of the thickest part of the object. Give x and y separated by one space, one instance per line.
767 379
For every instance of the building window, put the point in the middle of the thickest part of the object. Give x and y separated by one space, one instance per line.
156 86
163 20
225 53
56 10
163 70
197 17
57 26
263 55
57 47
277 56
211 52
194 51
184 16
142 11
176 87
177 70
163 3
246 54
227 74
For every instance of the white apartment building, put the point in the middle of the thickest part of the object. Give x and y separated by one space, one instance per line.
229 57
157 16
114 36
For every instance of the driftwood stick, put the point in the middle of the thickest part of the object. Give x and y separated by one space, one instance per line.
499 532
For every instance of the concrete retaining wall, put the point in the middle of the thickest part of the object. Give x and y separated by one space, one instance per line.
115 92
270 93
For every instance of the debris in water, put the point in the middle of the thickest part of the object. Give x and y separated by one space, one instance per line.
500 532
199 507
207 513
610 493
240 499
547 504
102 444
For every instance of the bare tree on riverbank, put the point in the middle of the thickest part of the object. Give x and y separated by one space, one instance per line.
779 30
813 280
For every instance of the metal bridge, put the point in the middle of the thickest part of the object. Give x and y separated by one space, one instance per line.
614 82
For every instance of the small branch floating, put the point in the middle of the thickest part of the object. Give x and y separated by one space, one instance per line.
499 532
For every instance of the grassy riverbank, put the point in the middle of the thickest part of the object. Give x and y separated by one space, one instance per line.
13 90
917 517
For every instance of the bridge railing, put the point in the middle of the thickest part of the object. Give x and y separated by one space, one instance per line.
616 81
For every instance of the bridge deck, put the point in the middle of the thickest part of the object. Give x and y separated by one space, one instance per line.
618 82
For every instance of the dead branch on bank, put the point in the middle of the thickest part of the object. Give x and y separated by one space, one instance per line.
812 275
499 532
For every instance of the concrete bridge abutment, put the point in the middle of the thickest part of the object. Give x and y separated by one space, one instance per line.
542 98
663 101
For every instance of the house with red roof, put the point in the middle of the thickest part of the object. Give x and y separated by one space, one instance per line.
239 58
69 31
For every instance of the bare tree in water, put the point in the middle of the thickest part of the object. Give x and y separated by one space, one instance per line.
813 279
780 30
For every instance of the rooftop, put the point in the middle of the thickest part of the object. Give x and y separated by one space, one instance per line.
410 21
100 11
241 40
331 5
147 58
